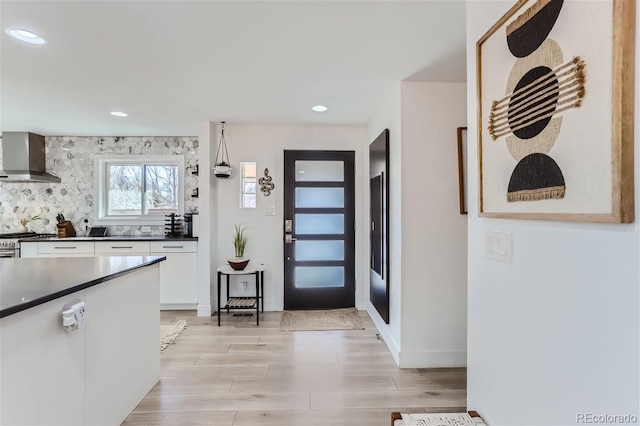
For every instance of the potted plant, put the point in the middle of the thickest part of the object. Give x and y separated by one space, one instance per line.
26 220
222 170
239 262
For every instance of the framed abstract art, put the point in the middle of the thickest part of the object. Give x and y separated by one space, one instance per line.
555 112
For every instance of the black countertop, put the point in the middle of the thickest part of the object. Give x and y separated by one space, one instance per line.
29 282
114 238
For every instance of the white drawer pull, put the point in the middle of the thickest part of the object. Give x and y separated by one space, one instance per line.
172 246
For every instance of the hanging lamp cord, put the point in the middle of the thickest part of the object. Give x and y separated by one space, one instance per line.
223 143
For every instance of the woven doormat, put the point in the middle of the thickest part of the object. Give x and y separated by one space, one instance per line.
333 319
169 333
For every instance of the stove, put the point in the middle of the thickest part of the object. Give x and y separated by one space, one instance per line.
10 243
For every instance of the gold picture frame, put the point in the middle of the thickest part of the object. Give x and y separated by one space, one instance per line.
463 161
572 82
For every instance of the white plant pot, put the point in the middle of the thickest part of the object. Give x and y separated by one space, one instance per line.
222 172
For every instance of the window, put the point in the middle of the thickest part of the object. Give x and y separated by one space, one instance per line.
139 189
248 185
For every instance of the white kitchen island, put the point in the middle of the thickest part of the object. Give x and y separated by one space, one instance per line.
96 374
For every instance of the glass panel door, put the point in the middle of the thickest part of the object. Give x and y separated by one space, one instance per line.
319 223
319 230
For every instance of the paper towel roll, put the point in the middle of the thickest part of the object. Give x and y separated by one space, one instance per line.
196 224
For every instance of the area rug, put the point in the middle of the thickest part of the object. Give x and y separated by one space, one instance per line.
437 419
169 333
333 319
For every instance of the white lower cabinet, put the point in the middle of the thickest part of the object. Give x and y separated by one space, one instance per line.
29 249
178 274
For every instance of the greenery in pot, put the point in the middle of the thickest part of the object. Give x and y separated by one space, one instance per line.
239 240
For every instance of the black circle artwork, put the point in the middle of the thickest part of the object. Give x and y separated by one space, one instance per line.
526 108
536 176
535 28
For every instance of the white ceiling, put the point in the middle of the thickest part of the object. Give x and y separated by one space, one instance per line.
173 64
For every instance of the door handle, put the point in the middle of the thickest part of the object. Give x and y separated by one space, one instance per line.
288 239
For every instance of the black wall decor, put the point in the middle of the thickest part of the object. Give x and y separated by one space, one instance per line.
266 184
379 224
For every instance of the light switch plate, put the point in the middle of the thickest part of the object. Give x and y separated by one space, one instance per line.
498 246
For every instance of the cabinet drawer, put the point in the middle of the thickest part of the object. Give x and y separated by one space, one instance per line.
121 247
173 247
65 247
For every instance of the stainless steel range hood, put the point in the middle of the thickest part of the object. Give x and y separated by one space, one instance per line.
23 158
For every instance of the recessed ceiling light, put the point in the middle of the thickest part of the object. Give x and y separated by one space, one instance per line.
319 108
26 36
119 113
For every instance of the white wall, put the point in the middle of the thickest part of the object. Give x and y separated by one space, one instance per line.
555 333
427 234
434 233
265 145
207 233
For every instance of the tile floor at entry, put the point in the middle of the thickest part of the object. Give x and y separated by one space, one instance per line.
240 374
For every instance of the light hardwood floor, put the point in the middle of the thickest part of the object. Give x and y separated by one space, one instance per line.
240 374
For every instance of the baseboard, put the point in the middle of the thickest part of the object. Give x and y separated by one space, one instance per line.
432 359
178 306
204 311
385 333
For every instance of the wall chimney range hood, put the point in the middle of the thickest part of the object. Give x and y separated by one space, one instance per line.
23 158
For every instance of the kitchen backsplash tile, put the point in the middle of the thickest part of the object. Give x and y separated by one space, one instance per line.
72 159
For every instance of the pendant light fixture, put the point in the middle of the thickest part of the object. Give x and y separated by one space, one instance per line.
222 167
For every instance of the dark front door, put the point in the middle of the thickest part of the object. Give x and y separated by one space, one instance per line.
319 230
